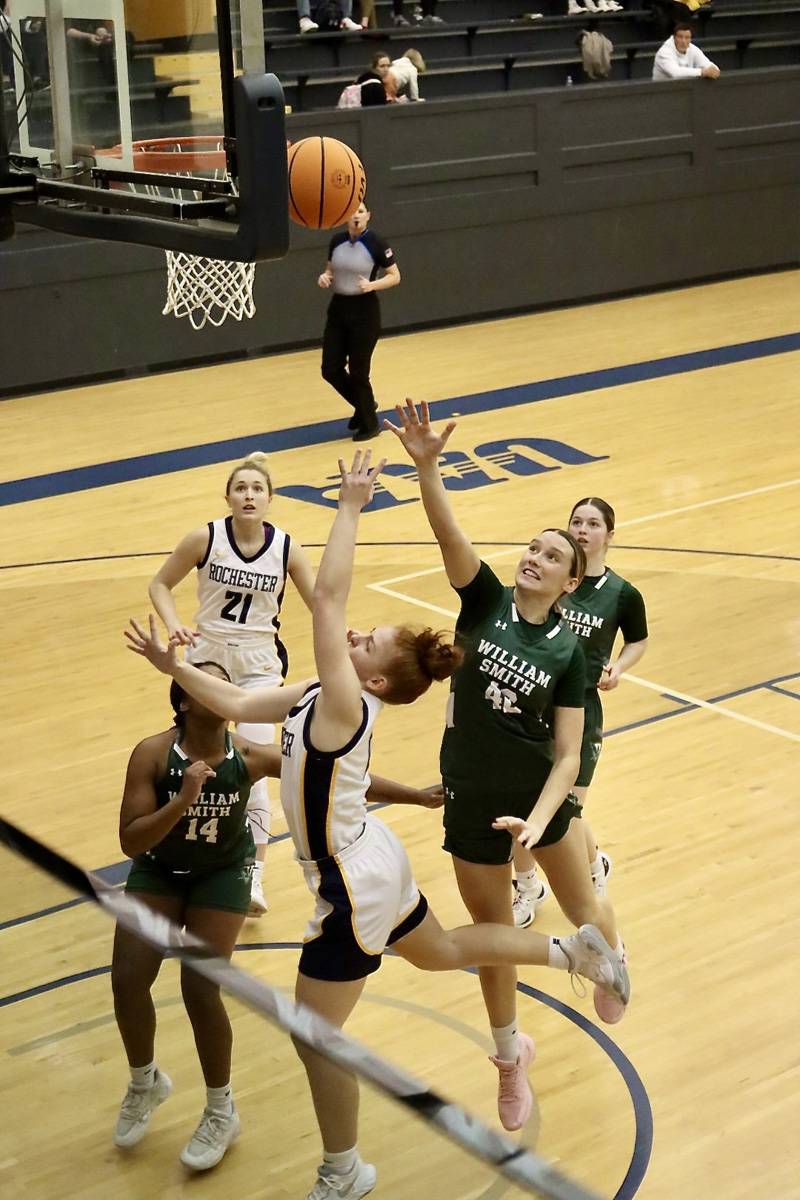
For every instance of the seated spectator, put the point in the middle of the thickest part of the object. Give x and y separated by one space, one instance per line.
307 25
401 80
679 59
423 13
368 90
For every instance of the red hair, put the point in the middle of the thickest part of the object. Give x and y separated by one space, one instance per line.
422 656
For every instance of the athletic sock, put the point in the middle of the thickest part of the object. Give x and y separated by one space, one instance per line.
258 869
341 1163
597 867
528 881
506 1041
556 956
220 1100
143 1078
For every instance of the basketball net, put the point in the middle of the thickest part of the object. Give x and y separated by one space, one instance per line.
206 290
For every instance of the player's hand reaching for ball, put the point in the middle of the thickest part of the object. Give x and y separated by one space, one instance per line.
422 442
150 646
358 483
193 779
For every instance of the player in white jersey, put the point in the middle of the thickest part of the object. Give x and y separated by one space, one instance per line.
357 870
242 564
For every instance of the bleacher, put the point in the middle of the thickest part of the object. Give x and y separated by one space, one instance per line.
492 47
485 47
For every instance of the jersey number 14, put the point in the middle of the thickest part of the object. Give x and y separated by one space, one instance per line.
208 831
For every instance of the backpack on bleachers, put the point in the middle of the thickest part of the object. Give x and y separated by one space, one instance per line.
328 14
596 51
350 97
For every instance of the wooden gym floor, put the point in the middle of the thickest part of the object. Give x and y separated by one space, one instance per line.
695 799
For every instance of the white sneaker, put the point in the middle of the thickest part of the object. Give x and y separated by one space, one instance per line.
258 901
591 6
137 1107
573 8
526 904
211 1139
352 1186
600 882
350 25
307 25
591 956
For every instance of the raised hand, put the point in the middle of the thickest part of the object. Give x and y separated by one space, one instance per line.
358 483
422 442
151 647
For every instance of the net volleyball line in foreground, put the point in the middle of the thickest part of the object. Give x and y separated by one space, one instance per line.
525 1168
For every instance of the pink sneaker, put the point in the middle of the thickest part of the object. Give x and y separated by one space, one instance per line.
609 1007
514 1095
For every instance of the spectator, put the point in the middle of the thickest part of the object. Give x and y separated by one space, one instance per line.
403 76
308 26
422 13
369 89
677 58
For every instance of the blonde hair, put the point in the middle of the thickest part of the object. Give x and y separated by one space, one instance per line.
256 460
421 656
416 58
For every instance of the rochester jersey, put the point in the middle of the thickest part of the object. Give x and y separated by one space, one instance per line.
500 711
240 595
214 831
323 793
599 607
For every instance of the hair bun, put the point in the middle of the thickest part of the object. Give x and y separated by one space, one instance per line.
437 658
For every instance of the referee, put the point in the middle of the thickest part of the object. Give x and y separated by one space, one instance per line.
359 265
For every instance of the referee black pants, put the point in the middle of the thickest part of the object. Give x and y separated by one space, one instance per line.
351 334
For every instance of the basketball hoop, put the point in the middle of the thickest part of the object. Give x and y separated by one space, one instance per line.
206 290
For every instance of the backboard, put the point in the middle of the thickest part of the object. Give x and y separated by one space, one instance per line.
92 89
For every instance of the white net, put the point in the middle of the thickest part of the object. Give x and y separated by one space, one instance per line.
208 290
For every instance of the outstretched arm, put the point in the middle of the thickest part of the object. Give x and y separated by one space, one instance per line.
424 445
261 706
337 713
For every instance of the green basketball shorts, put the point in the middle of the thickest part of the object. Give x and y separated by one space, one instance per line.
227 888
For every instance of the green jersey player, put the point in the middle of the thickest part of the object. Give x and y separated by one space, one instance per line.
511 748
602 606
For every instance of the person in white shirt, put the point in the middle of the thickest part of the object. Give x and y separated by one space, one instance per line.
402 79
679 59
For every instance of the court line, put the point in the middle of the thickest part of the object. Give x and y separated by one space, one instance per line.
642 1109
667 512
144 466
709 706
690 701
117 873
99 558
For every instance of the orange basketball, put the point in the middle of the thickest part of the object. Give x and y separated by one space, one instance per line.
326 182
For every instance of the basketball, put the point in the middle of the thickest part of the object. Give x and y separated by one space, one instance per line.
326 182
